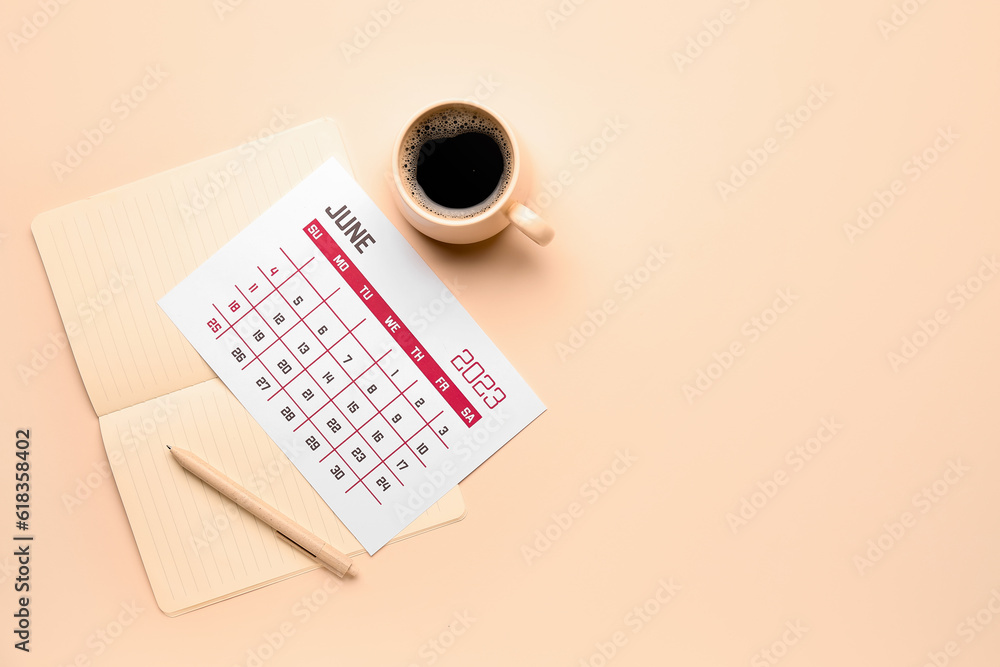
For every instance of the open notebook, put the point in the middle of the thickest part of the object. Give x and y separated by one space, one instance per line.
109 259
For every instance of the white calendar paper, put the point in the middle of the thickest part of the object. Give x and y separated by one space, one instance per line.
352 355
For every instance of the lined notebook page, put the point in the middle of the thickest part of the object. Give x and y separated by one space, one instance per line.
111 257
197 546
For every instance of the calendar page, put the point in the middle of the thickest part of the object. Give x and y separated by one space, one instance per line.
352 355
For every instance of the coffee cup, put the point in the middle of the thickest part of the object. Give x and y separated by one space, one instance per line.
459 175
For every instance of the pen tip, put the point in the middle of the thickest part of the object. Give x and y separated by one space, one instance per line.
169 447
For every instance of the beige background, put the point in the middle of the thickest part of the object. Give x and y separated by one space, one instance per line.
665 517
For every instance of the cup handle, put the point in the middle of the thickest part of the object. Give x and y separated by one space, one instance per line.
530 223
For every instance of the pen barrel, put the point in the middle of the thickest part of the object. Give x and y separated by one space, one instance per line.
282 524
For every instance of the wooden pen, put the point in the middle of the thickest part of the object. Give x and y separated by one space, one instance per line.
322 552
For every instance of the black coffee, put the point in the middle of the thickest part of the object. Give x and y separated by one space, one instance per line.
460 171
456 162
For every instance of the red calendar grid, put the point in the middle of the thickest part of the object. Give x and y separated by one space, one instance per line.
354 431
385 315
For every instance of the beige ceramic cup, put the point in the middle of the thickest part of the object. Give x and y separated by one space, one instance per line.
508 208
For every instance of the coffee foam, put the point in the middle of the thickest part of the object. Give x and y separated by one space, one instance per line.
445 124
